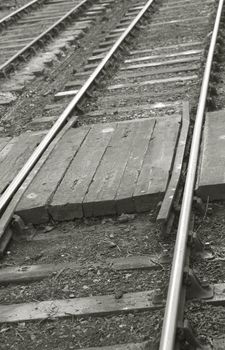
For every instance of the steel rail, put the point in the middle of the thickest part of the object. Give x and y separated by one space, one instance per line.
23 173
169 328
4 21
53 27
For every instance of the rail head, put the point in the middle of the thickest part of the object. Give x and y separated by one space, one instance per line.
168 335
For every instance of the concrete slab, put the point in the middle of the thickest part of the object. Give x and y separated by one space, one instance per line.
211 175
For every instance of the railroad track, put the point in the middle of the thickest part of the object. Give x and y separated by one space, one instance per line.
110 274
45 20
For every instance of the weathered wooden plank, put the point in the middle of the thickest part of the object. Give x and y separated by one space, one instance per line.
153 82
100 198
129 108
163 56
89 306
168 199
219 343
33 206
28 273
67 201
124 195
161 63
154 175
3 142
211 177
130 346
15 154
201 20
148 72
161 48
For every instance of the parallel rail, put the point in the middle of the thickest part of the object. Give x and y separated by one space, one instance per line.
169 329
5 21
49 33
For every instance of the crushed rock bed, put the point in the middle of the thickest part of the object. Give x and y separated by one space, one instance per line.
87 240
208 320
76 333
85 283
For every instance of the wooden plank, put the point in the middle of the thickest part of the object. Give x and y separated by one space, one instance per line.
130 346
129 108
163 56
161 48
89 306
154 175
153 82
67 93
33 206
124 195
168 199
161 63
67 201
219 343
211 177
132 97
148 72
199 20
100 198
28 273
3 142
15 154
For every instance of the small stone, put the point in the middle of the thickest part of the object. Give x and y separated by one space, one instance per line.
118 294
38 256
85 287
112 244
32 337
66 288
49 228
123 218
72 295
83 272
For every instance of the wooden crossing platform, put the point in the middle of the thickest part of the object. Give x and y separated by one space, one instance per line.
96 170
211 176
